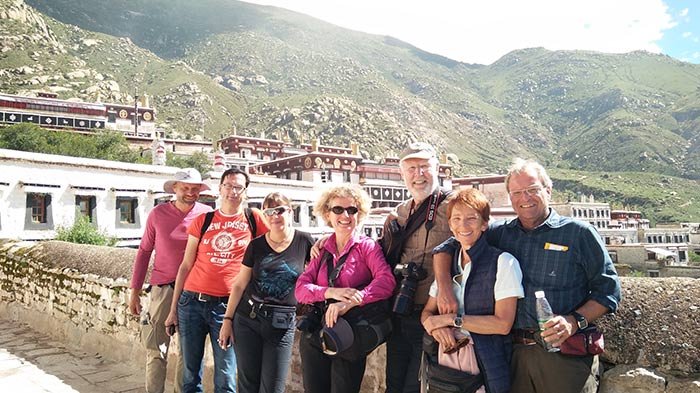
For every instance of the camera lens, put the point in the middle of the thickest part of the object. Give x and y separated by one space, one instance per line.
403 304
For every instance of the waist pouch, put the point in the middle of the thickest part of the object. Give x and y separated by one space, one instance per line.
280 317
586 342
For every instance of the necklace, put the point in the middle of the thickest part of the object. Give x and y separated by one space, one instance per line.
287 235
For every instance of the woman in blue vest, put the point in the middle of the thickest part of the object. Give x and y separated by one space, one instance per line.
487 284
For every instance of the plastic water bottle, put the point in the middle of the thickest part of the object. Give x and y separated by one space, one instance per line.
544 314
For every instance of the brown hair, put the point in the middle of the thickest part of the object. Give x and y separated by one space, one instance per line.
275 199
470 197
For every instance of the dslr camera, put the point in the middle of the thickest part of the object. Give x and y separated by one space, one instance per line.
410 273
310 320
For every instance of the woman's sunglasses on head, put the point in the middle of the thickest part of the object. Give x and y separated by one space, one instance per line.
279 210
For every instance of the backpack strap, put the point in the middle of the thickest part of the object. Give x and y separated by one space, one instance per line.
252 224
205 225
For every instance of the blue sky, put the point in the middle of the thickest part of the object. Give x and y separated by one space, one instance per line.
683 40
481 31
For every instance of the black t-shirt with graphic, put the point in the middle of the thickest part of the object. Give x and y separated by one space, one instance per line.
275 274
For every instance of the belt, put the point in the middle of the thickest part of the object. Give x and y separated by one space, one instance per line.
525 336
170 284
252 309
203 297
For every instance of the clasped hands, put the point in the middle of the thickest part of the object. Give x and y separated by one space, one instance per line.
347 298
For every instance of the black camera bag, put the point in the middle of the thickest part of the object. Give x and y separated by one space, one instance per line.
371 323
443 379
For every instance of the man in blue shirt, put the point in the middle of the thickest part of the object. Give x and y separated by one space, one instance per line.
568 261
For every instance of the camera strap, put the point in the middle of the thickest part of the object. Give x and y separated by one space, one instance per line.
333 272
435 199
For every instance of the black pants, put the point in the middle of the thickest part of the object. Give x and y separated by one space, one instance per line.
327 374
263 354
403 354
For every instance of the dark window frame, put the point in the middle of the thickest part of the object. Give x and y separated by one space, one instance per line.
91 205
47 210
134 208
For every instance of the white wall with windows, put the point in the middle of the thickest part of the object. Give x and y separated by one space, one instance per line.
41 192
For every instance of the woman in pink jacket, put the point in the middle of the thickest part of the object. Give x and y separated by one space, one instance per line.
359 276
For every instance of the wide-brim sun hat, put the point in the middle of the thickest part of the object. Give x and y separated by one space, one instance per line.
187 175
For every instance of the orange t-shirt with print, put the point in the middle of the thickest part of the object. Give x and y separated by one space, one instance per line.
220 252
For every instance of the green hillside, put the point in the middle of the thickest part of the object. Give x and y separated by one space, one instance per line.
212 66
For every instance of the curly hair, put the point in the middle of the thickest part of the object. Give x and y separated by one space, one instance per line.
362 200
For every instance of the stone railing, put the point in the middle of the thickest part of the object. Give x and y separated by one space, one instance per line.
79 295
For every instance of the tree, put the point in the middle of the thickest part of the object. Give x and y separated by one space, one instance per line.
105 145
198 160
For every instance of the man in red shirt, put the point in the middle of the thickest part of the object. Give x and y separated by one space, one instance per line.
166 232
213 258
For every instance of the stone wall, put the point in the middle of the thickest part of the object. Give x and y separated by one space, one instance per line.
79 294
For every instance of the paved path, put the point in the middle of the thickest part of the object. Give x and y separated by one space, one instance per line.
32 362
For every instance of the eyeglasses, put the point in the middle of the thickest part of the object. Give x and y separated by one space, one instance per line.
530 191
279 210
231 187
339 210
419 168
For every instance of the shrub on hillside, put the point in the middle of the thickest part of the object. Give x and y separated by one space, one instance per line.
84 232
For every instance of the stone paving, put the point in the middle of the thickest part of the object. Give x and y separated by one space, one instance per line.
32 362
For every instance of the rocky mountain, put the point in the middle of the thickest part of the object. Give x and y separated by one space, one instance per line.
215 66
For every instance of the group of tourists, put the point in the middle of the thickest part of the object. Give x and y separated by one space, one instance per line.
450 293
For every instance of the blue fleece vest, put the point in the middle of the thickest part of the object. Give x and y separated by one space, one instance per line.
493 351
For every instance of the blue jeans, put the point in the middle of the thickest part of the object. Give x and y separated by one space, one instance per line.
263 353
197 319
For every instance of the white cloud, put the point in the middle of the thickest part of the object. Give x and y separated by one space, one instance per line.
483 31
683 12
696 55
687 34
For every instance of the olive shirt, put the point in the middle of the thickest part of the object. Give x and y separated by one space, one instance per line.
415 248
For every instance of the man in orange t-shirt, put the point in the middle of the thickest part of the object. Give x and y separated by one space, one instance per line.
204 282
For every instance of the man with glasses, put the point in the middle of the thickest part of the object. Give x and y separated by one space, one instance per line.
426 212
565 258
166 233
215 248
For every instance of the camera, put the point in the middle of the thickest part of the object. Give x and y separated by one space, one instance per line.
310 319
411 273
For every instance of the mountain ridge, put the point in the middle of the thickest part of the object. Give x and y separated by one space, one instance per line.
218 66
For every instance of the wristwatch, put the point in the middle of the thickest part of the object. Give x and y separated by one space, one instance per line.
580 320
457 321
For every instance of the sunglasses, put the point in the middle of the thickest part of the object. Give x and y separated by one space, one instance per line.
339 210
462 341
279 210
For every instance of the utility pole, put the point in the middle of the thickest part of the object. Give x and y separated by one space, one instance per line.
136 107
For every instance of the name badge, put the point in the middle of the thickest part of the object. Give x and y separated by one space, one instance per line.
555 247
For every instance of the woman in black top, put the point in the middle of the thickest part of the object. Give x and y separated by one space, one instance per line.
262 329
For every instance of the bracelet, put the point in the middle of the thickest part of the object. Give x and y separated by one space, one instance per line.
229 318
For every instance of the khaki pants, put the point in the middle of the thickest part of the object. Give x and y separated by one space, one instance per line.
534 370
156 341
